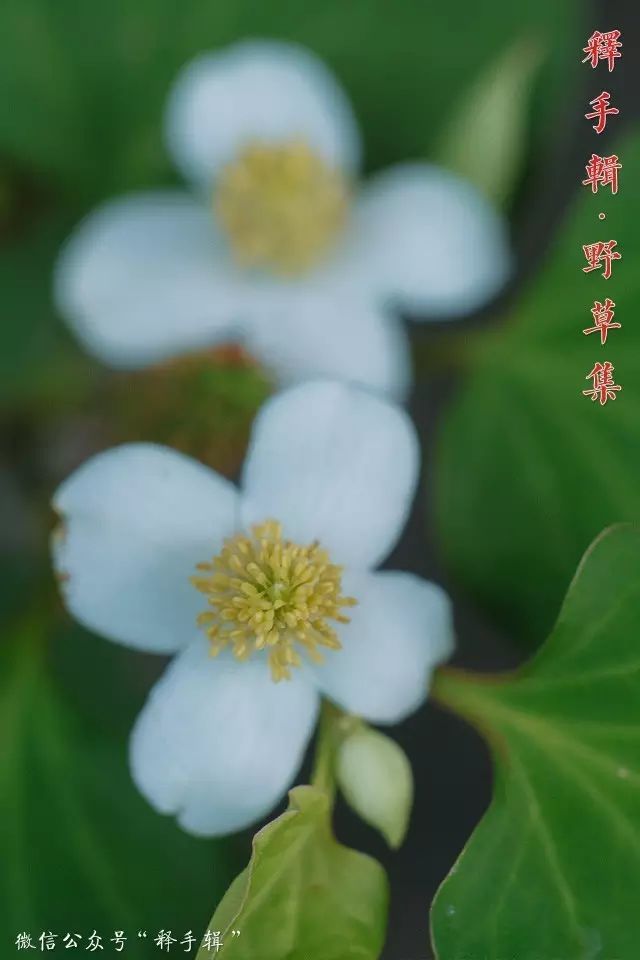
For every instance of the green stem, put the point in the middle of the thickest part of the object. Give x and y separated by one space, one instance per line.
474 696
334 727
323 775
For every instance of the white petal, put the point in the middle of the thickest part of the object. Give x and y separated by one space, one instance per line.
332 463
257 90
136 521
145 277
307 337
401 629
218 742
428 240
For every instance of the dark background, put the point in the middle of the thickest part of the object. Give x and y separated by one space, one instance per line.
452 766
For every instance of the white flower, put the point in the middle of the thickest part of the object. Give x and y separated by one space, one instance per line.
278 247
218 741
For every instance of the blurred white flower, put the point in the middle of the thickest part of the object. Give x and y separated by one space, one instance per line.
279 247
325 491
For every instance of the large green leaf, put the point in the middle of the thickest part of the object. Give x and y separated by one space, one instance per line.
303 895
80 849
553 869
84 84
529 470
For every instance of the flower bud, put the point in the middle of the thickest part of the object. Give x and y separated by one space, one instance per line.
375 777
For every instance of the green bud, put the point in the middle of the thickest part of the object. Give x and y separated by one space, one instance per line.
375 777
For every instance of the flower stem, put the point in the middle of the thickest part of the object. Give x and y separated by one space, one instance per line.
323 775
334 727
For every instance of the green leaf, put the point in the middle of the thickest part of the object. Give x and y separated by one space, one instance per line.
528 470
552 870
84 84
486 138
303 895
80 848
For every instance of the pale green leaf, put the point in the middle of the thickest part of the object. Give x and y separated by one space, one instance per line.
485 139
303 895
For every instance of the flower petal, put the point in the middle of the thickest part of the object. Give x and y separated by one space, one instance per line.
135 522
339 337
145 277
218 742
257 90
332 463
429 240
401 629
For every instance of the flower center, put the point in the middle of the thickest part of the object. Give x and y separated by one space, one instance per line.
281 206
266 593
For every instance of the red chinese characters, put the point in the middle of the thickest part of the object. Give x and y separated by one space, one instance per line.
601 110
603 314
602 171
603 386
603 46
601 255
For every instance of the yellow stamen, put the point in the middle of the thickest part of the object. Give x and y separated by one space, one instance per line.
268 593
281 206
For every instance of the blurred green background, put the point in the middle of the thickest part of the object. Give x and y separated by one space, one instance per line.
83 90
